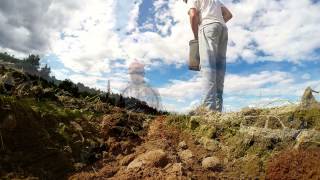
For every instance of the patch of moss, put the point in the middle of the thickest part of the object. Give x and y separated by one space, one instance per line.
52 108
252 166
27 142
239 144
194 123
207 131
303 119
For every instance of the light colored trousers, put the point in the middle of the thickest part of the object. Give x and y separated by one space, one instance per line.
213 40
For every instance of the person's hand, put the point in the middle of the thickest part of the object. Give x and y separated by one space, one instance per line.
227 15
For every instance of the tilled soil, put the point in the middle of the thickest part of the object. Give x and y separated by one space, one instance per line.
174 161
292 164
137 146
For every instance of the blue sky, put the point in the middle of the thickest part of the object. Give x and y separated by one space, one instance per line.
273 50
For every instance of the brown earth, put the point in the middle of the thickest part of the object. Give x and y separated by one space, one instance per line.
159 138
49 135
124 145
48 145
26 147
295 164
166 152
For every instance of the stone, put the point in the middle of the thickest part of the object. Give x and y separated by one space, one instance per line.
154 158
186 155
175 168
211 163
183 145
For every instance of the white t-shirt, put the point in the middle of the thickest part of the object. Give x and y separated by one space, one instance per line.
209 10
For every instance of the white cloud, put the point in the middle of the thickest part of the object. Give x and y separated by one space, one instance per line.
89 44
236 83
133 15
90 81
60 74
182 90
306 76
90 38
240 90
279 31
283 30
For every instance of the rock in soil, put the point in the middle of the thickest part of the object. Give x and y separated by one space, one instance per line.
183 145
185 155
155 158
175 168
211 163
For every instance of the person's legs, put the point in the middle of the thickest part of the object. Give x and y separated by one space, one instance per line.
209 88
209 38
221 67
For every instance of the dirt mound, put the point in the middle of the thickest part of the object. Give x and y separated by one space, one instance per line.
244 154
291 164
49 134
26 146
44 140
158 156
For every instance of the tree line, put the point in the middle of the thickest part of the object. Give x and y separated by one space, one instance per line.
31 66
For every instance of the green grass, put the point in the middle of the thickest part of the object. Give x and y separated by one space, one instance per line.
46 107
180 121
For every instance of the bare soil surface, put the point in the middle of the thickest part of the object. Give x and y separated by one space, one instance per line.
49 133
295 164
38 144
176 162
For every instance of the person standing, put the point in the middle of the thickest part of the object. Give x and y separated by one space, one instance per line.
208 22
139 89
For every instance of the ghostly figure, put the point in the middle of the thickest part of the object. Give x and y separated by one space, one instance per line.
308 100
139 89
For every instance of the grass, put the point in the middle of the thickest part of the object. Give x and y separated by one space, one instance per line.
252 152
47 107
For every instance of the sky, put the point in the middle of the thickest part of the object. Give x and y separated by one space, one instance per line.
273 49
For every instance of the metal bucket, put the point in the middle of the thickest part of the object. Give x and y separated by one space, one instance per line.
194 57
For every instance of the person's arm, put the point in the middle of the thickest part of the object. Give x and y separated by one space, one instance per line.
227 15
194 21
